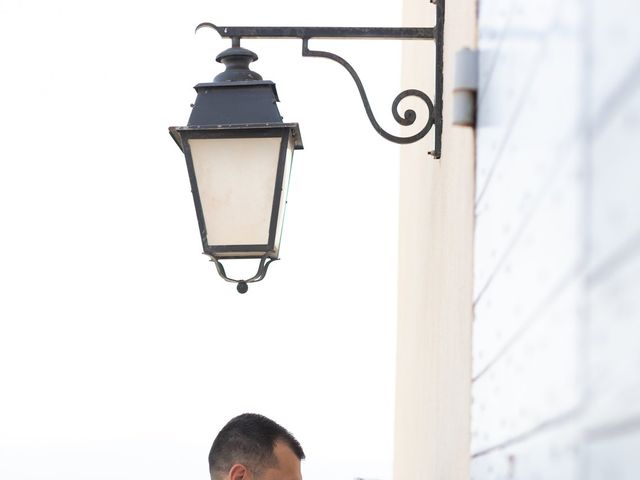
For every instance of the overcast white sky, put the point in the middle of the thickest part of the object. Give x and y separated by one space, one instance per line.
122 352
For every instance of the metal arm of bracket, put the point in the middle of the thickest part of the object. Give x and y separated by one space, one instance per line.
409 116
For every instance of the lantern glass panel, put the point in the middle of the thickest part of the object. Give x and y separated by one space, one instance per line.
236 179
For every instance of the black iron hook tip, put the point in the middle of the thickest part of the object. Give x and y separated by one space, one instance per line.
207 25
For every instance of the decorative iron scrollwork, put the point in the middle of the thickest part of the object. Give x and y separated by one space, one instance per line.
407 119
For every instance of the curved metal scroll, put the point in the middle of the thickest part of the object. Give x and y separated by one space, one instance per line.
409 116
265 261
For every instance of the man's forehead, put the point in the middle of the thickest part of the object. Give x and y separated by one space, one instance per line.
288 467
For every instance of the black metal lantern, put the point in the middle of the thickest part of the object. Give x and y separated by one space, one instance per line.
238 154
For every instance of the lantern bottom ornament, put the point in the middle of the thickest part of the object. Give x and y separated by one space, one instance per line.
242 285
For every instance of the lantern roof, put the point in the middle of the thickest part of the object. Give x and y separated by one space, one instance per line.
238 98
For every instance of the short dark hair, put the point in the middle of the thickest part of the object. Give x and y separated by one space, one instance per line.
249 439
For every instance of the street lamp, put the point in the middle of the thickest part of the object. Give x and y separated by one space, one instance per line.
239 152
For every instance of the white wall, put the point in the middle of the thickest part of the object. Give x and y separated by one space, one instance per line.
556 388
435 271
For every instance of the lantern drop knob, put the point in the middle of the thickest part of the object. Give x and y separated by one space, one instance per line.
242 286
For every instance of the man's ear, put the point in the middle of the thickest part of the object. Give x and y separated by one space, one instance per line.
239 472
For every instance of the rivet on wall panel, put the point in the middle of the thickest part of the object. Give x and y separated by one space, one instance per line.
465 86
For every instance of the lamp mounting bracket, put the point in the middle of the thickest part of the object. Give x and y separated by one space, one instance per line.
407 33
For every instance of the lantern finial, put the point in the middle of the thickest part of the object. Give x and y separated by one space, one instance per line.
237 60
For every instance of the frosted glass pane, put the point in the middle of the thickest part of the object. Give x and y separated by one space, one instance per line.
236 180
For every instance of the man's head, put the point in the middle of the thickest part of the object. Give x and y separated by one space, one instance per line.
253 447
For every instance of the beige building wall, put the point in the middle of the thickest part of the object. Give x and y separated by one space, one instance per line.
435 270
